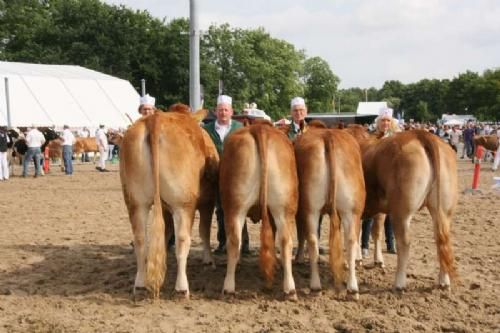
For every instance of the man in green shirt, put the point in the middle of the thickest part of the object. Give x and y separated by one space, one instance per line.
219 130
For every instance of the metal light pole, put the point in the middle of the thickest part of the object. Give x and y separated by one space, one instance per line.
194 57
143 87
7 102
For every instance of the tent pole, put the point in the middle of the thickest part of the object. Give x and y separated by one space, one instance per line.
7 102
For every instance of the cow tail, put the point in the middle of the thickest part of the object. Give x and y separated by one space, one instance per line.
156 255
267 256
442 224
335 240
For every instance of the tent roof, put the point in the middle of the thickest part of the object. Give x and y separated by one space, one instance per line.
47 95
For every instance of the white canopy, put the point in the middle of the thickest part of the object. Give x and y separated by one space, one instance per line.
370 108
46 95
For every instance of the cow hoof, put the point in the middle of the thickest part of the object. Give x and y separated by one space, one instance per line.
291 296
353 295
316 292
445 287
228 295
359 262
399 290
379 264
182 294
139 294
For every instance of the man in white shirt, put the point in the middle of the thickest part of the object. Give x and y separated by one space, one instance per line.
67 145
102 144
34 141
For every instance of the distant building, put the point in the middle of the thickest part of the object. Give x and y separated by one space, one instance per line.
456 119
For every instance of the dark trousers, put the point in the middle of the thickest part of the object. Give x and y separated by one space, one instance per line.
389 233
366 228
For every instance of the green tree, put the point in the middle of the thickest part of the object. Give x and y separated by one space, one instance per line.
320 84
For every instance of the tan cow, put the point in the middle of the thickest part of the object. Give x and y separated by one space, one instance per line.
258 175
404 173
85 145
167 163
331 182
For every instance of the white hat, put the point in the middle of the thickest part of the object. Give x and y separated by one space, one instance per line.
146 99
224 99
385 113
297 101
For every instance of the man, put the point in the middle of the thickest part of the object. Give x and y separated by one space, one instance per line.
4 165
298 111
455 135
468 141
67 145
219 130
34 141
147 105
102 144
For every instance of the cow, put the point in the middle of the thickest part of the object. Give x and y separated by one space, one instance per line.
168 164
489 142
258 177
404 173
330 182
85 145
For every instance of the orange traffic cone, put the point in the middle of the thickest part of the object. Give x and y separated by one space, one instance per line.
46 162
477 167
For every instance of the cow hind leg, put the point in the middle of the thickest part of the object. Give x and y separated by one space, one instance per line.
138 218
401 227
183 222
301 239
377 229
313 247
350 223
234 227
204 228
284 225
443 244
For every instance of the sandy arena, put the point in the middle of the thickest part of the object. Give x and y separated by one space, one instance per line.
67 266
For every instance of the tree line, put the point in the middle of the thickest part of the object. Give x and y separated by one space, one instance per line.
249 64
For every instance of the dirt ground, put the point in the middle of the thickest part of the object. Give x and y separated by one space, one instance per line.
67 266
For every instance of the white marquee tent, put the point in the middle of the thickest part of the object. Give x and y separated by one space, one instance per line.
47 95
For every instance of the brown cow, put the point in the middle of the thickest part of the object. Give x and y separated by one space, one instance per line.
489 142
258 176
404 173
168 164
330 182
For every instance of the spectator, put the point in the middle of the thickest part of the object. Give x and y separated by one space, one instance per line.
386 126
219 130
4 165
67 145
468 141
102 144
34 141
147 105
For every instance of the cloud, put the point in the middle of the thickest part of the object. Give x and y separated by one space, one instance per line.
366 42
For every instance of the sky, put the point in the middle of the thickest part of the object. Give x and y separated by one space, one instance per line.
365 42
